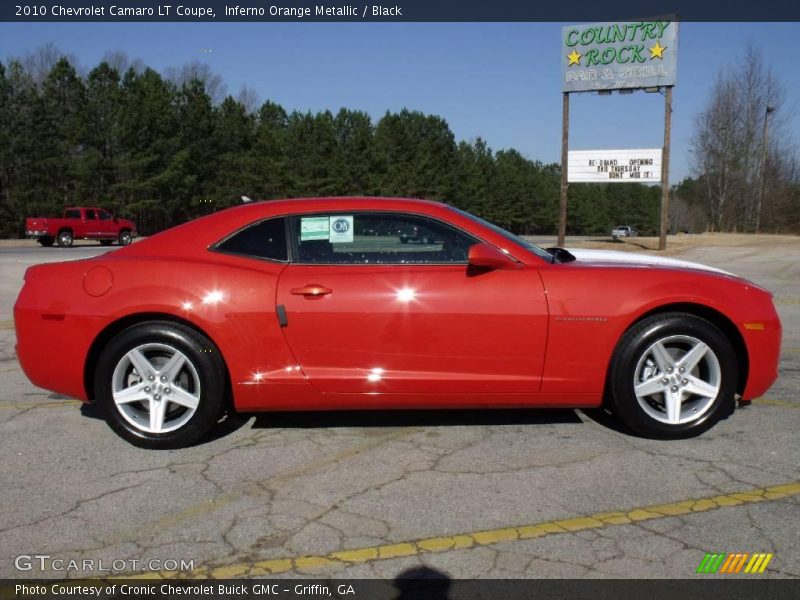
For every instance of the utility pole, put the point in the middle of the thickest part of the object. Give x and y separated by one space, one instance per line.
764 159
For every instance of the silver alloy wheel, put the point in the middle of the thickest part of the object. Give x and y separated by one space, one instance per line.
677 379
125 239
156 388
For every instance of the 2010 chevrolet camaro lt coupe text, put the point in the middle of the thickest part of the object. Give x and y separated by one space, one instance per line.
359 303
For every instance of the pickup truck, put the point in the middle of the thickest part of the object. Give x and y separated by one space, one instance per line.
82 224
624 231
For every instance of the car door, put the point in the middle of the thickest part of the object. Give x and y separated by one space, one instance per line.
385 303
106 227
90 224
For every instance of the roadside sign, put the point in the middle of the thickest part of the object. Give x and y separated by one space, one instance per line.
623 55
614 166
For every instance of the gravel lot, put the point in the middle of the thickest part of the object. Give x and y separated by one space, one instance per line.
518 494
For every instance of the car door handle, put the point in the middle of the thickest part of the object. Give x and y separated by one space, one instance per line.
311 289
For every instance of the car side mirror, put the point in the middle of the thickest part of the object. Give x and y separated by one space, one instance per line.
561 255
486 256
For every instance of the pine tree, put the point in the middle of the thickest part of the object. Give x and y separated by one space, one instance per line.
99 162
236 172
64 117
269 152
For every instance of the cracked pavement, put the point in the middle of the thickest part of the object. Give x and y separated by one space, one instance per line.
274 488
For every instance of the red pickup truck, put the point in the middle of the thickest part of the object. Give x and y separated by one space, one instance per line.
82 224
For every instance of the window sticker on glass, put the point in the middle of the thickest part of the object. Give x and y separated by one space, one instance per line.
314 228
341 229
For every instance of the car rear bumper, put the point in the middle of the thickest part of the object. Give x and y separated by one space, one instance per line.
52 340
51 350
35 233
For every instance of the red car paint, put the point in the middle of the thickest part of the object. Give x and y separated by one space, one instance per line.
538 334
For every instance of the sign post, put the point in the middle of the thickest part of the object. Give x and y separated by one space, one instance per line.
562 211
627 55
662 236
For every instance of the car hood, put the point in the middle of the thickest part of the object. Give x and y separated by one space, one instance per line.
635 259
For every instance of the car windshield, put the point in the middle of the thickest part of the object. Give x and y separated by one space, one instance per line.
530 246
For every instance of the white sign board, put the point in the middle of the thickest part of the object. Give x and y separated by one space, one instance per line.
314 228
609 166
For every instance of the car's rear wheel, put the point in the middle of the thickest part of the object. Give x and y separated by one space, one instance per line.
673 376
124 238
160 385
65 238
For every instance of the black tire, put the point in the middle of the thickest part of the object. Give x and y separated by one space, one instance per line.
156 340
65 238
106 242
125 237
46 241
635 360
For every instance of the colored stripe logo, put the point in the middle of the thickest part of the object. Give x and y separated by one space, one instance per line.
720 562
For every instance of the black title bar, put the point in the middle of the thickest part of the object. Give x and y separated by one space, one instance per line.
402 10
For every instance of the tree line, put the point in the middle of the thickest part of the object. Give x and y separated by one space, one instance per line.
163 149
746 167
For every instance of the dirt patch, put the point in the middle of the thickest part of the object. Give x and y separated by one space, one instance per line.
681 243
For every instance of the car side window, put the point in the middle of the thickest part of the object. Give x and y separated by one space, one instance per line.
265 239
378 238
90 214
104 216
72 214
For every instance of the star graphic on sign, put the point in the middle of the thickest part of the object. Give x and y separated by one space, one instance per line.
574 58
657 51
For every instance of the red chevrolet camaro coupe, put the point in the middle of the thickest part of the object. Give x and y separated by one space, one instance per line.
358 303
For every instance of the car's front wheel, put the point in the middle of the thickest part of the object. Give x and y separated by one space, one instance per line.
160 385
673 375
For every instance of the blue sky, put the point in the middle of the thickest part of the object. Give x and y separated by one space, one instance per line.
499 81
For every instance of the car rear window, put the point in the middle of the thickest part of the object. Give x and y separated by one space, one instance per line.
265 239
